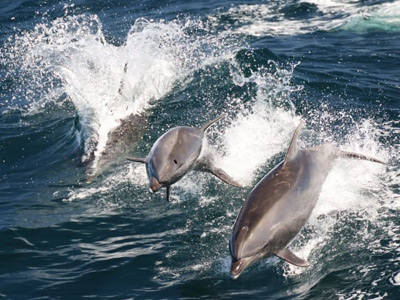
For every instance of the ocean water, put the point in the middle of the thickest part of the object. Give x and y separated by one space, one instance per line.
73 73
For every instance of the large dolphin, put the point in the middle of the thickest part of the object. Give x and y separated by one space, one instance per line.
178 151
281 203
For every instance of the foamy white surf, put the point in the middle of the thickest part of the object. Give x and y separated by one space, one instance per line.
124 174
107 83
254 138
257 135
384 16
324 15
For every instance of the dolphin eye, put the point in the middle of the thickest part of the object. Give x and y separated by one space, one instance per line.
175 161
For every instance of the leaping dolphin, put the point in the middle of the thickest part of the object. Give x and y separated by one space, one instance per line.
178 151
280 204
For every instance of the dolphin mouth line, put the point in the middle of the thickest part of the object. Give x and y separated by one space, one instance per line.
154 185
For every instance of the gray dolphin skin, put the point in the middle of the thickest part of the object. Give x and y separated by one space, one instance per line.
175 153
280 204
119 142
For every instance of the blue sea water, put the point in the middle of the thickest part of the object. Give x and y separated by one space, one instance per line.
71 71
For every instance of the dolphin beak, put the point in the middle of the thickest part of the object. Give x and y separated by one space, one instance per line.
154 185
238 266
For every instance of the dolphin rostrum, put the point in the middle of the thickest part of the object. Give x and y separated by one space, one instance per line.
280 204
178 151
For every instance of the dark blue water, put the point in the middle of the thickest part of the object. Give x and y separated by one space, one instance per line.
71 71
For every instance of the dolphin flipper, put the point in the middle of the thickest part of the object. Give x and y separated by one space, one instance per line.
135 159
221 174
290 257
359 156
208 166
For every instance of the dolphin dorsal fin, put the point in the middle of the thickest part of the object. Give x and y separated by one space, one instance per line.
292 151
208 124
136 159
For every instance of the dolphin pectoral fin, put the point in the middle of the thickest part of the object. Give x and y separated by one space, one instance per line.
135 159
221 174
359 156
290 257
206 164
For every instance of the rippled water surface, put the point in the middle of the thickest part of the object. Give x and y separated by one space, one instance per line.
83 84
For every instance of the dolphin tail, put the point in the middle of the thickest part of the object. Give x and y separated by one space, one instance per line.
292 258
292 151
359 156
135 159
208 124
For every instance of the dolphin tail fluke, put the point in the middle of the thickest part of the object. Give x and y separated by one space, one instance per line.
359 156
208 124
135 159
292 258
292 151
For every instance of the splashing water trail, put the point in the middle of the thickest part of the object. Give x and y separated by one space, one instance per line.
107 83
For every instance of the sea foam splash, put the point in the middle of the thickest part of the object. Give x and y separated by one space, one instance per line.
294 18
384 17
70 59
257 134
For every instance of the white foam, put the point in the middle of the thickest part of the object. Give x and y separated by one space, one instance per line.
385 16
107 83
103 93
395 279
257 135
254 138
256 20
268 20
128 173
